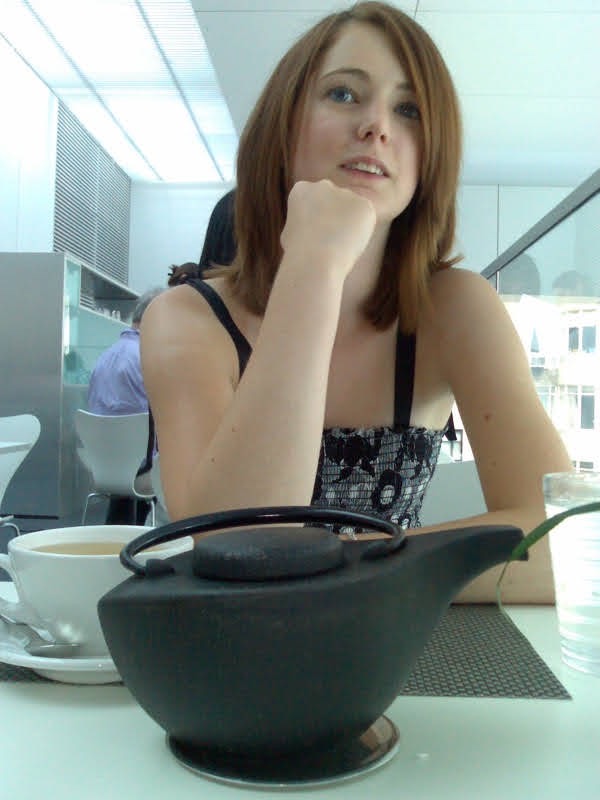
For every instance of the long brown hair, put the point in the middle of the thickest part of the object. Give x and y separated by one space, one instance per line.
420 239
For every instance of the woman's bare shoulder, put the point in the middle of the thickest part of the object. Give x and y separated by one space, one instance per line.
181 299
181 326
458 285
461 299
180 311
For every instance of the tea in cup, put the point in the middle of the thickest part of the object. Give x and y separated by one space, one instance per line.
60 574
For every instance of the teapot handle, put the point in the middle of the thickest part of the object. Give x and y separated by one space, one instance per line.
269 515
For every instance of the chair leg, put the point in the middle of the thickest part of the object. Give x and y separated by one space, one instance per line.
146 501
87 502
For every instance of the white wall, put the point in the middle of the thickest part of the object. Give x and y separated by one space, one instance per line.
454 492
27 157
520 205
491 218
477 226
587 240
168 224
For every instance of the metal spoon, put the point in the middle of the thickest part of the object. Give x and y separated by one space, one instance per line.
38 646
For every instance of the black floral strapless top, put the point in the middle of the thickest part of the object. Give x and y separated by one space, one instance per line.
382 471
379 471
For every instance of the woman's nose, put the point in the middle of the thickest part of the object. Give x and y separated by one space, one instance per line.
375 125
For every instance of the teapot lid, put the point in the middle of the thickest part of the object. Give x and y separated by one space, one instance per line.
294 551
258 554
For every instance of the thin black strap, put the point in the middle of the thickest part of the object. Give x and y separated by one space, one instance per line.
404 377
404 383
405 356
222 313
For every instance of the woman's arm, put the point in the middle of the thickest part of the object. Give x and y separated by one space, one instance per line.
227 446
513 440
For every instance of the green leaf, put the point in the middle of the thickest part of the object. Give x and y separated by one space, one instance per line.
538 533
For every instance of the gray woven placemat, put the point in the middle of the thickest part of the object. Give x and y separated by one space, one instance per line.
475 651
19 674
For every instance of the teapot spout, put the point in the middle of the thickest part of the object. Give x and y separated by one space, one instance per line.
449 560
417 583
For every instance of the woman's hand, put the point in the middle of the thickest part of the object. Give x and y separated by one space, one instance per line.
327 224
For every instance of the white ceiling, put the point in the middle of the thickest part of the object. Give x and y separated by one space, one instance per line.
527 73
137 75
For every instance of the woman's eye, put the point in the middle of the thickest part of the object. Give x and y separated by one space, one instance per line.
341 94
410 110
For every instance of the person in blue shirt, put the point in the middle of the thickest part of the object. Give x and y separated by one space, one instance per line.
117 387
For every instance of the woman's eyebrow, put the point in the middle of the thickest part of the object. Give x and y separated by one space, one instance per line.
362 75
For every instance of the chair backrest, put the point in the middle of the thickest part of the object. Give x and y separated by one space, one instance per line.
23 429
112 448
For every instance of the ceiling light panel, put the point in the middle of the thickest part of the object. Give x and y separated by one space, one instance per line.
144 63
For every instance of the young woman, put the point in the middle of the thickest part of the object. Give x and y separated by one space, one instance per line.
322 366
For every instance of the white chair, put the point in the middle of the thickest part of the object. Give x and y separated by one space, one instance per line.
112 448
18 434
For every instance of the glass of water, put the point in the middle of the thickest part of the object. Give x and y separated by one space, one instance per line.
575 550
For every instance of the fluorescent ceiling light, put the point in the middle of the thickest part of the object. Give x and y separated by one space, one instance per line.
138 76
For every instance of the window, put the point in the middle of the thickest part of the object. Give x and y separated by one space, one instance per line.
588 339
573 339
545 394
572 396
588 403
582 337
579 403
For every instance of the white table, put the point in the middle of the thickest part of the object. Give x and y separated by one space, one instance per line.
95 743
13 447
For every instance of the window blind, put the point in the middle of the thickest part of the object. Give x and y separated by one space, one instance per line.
92 200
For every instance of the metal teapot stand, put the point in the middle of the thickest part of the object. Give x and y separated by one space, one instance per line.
374 748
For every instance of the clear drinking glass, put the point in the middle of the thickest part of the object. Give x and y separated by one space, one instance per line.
575 550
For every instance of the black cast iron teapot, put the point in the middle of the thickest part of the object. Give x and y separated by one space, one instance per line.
270 640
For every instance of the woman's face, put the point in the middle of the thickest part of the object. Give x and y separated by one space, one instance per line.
361 126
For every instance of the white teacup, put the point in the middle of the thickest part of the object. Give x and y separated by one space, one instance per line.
60 574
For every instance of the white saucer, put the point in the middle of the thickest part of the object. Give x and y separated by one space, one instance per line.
66 670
